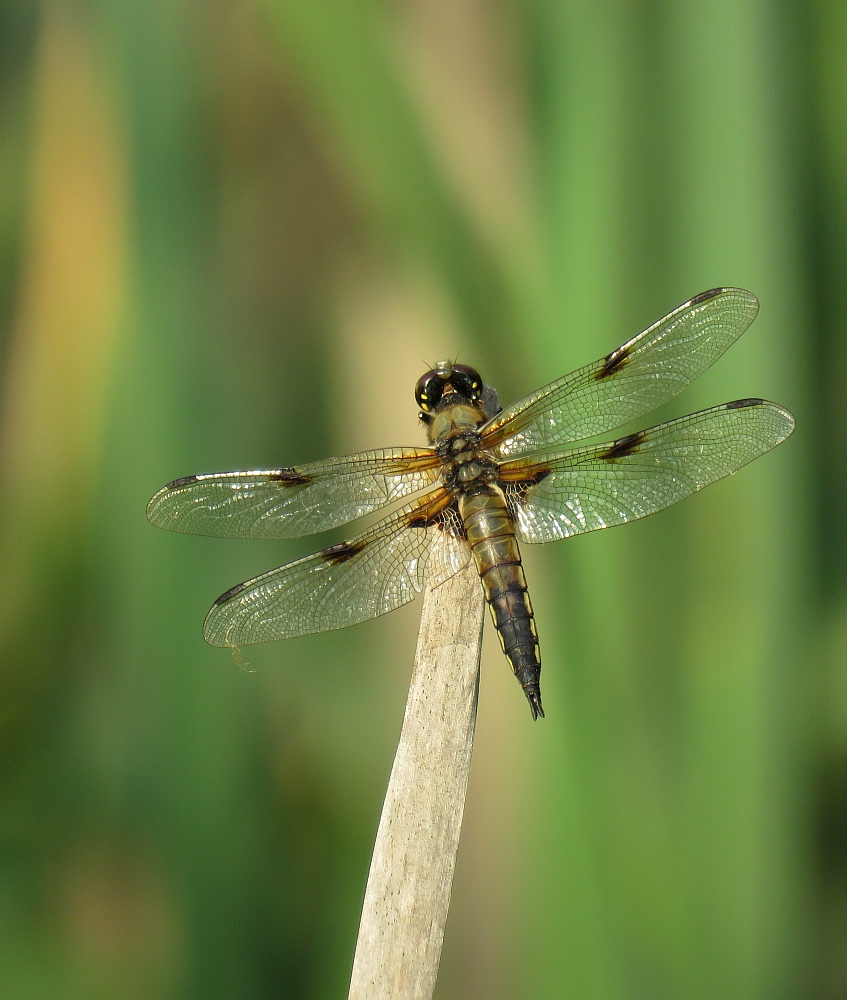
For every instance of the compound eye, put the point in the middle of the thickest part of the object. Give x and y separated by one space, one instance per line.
429 390
466 381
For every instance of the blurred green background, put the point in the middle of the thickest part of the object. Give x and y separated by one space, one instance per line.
233 233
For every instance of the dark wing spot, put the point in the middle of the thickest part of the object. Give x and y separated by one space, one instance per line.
439 518
184 481
431 510
705 296
289 477
230 593
614 362
738 404
524 478
540 474
623 446
340 553
517 489
424 520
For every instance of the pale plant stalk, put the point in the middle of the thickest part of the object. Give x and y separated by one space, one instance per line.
411 875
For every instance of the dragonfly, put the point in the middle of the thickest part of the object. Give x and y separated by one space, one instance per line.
489 480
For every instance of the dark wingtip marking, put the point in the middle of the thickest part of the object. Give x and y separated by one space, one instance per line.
623 446
289 477
614 362
705 296
230 594
183 481
738 404
340 553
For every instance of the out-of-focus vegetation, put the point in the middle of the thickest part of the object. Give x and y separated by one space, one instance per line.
232 234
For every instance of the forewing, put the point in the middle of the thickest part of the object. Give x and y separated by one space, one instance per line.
369 575
631 381
557 495
286 503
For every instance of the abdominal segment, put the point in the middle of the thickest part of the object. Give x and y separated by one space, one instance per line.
491 536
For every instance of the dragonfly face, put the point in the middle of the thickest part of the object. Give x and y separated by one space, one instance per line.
489 480
442 380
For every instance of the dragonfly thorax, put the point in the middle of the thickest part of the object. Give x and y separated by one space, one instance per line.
456 420
465 464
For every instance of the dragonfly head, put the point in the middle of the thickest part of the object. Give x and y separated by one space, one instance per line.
442 380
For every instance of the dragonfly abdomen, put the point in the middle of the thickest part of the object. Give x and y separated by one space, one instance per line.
491 536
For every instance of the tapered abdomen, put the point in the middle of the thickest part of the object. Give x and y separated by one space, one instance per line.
491 536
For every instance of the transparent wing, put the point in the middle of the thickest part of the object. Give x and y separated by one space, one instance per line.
631 381
554 496
450 551
366 576
286 503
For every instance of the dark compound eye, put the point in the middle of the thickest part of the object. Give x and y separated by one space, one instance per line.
462 379
429 390
466 381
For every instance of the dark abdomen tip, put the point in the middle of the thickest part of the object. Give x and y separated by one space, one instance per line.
533 696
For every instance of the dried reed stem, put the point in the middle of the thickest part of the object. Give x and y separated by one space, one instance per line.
408 891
